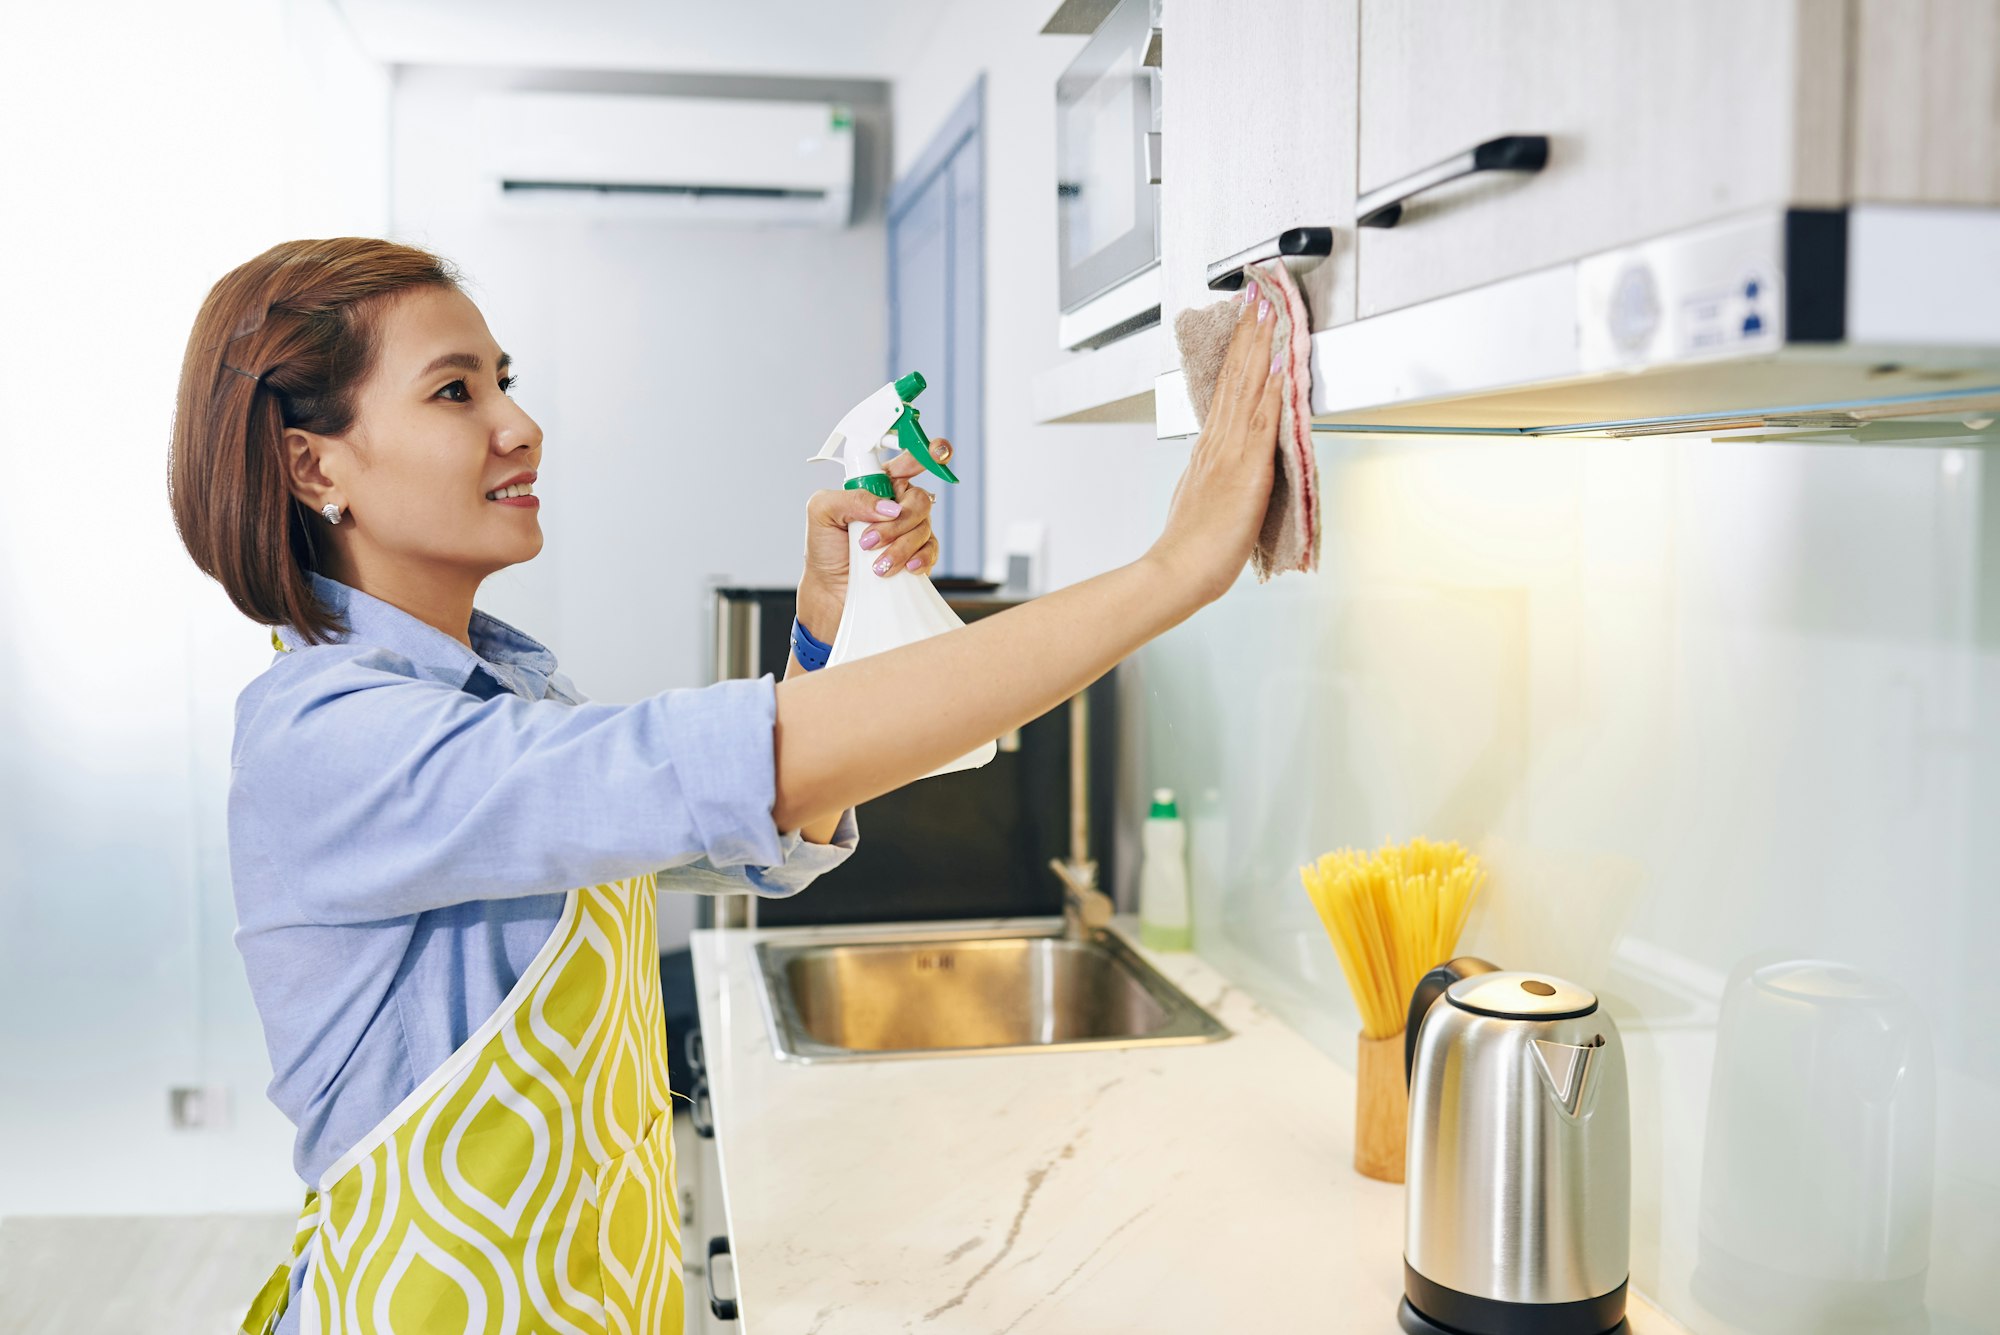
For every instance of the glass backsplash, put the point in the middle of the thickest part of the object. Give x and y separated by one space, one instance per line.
1723 719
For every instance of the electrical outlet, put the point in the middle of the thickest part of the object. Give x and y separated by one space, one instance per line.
198 1107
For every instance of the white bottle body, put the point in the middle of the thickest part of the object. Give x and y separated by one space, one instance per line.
887 612
1163 885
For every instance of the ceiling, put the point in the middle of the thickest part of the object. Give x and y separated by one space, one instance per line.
856 39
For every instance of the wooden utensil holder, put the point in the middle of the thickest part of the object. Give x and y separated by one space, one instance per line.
1381 1108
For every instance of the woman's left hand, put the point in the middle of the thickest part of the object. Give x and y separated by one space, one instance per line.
902 543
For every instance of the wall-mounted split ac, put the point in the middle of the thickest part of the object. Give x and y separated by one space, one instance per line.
687 159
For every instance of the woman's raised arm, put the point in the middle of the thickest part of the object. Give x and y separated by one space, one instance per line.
851 733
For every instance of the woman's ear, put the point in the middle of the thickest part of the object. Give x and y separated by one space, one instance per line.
306 457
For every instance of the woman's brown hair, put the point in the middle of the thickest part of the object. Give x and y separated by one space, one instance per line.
281 341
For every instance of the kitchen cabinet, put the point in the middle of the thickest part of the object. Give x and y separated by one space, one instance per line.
1658 117
704 1214
1926 91
1258 136
1680 156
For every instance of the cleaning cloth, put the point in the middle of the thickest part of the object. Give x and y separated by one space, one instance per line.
1289 539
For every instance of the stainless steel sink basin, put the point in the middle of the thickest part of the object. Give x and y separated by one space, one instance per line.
969 994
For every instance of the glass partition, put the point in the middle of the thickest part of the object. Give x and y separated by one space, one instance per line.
1723 718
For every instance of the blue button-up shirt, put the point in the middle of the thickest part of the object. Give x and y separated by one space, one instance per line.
405 814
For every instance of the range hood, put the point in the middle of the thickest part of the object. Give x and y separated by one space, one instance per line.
1808 320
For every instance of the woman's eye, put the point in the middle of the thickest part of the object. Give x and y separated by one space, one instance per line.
456 391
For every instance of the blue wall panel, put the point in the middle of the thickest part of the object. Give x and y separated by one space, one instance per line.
937 218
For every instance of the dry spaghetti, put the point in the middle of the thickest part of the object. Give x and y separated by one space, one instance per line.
1392 916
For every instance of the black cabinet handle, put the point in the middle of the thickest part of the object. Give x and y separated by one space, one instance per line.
1294 243
724 1308
1508 153
701 1113
697 1054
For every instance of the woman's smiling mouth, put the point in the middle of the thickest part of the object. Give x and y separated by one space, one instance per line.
519 491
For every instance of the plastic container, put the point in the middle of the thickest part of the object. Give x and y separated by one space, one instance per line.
1163 878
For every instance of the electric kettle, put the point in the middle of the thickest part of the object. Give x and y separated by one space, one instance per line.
1517 1205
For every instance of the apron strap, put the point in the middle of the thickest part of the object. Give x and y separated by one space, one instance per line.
269 1305
271 1301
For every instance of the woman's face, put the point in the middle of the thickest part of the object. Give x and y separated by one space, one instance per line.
434 435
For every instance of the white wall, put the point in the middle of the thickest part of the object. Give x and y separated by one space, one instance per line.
683 379
682 376
859 39
149 148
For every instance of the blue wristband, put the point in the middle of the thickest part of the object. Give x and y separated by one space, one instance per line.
809 651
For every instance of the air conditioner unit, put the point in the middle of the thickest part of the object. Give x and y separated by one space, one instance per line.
691 159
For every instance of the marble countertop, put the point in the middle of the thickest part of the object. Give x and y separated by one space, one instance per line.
1199 1188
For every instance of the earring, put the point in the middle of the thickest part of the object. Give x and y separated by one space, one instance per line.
331 511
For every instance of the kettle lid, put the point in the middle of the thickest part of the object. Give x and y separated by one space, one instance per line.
1521 996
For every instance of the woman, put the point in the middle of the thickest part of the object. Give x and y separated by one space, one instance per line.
444 858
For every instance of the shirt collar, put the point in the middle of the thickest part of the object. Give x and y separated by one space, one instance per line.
506 656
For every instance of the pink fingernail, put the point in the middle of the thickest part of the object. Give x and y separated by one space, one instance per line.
916 563
870 540
882 566
1263 310
1274 362
888 509
1247 291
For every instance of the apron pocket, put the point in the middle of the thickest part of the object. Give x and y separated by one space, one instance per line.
639 1235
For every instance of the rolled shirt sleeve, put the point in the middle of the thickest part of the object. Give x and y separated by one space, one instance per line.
799 866
378 793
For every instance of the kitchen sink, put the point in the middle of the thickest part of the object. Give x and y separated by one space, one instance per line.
967 994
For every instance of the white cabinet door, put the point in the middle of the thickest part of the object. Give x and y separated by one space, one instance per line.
1927 101
1659 117
698 1171
1258 136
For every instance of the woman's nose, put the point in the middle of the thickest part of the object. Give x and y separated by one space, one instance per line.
522 430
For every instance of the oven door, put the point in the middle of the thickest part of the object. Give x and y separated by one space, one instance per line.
1107 208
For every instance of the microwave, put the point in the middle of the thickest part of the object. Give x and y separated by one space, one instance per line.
1108 179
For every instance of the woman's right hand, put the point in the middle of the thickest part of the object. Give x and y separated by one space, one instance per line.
1218 506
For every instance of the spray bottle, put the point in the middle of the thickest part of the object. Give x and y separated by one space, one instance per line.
888 611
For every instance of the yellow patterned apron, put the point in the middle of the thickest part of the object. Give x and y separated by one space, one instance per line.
528 1183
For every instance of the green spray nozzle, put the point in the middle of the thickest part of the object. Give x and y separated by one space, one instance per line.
910 432
861 438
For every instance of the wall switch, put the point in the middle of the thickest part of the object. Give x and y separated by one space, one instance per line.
198 1107
1026 559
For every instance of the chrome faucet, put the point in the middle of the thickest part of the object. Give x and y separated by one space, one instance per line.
1086 909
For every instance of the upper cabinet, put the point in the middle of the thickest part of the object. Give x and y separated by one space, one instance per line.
1657 117
1258 129
1926 90
1765 213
